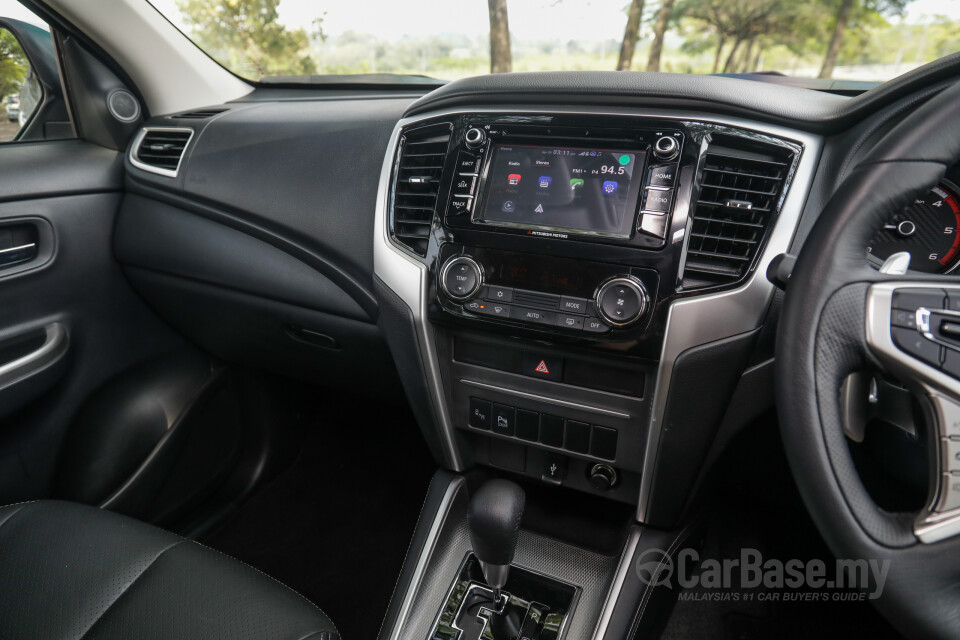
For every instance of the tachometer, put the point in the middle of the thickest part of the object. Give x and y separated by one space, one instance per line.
927 230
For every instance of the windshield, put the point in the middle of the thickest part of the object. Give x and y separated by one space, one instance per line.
865 40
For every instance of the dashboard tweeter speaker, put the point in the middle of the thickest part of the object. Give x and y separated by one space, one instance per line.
123 106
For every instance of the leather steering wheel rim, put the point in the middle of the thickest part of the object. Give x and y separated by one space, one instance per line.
823 337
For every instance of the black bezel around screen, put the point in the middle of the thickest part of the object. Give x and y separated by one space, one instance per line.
631 199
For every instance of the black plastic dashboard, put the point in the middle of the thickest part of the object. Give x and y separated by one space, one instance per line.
295 189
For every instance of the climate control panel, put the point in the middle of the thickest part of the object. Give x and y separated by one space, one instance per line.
544 292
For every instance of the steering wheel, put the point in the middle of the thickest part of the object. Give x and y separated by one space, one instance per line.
841 316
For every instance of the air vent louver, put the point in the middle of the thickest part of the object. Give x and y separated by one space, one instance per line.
199 114
161 149
422 155
740 194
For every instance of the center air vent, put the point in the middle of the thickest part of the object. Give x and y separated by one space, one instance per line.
422 155
740 194
160 150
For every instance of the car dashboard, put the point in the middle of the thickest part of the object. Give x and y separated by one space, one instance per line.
564 275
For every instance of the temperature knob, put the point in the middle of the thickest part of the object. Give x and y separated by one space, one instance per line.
666 148
622 300
461 278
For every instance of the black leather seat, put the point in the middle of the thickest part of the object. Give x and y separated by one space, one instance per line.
71 571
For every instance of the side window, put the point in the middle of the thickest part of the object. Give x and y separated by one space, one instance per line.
30 87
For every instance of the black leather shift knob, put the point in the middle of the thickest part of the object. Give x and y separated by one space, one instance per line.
494 518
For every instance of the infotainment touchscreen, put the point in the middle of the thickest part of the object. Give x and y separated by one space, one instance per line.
575 190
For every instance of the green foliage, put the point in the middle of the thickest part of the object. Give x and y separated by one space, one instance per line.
245 36
789 36
13 64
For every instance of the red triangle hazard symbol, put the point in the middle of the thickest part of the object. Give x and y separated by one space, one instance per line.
542 367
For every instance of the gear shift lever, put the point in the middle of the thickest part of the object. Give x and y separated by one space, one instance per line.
494 518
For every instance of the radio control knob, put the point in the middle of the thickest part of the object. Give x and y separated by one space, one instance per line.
461 278
621 301
666 148
474 137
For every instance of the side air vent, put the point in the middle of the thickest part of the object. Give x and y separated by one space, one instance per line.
199 114
741 189
160 150
422 154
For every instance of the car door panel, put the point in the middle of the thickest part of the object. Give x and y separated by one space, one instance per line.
72 189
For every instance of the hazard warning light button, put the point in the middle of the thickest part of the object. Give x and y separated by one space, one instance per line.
540 365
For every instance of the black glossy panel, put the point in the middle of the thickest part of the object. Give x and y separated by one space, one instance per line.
163 238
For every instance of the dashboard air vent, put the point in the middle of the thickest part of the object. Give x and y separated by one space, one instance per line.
199 114
422 155
161 149
741 188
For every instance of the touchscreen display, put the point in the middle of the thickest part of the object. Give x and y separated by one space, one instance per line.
579 190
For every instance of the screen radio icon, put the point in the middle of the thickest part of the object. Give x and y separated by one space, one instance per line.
513 179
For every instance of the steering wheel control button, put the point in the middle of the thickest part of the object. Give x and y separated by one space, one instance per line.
916 345
657 200
479 414
461 278
951 366
951 455
498 294
654 224
949 492
663 175
539 365
948 416
504 420
904 318
574 305
913 299
621 301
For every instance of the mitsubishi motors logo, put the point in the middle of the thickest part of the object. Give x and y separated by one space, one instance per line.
542 367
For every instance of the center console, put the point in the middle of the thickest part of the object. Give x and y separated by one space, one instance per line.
585 290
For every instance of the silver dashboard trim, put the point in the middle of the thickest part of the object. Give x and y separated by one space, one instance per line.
169 173
546 399
690 323
623 569
425 554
